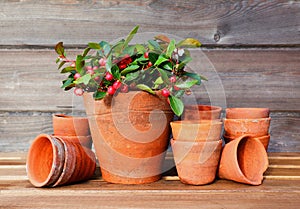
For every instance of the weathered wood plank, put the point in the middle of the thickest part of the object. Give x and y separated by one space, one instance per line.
18 130
30 81
218 22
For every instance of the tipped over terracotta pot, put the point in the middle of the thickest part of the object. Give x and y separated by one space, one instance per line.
201 112
244 160
254 127
263 139
204 130
52 161
247 113
196 162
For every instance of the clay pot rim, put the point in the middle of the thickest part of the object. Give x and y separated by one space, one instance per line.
197 122
257 137
68 117
238 140
246 119
195 142
197 108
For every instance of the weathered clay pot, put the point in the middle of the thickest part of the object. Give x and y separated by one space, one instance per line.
130 133
196 162
85 141
64 125
244 160
254 127
52 161
263 139
247 113
204 130
201 112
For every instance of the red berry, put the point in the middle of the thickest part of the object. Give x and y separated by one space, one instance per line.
97 78
124 88
122 66
76 76
176 88
111 90
73 64
102 62
90 72
95 68
88 68
149 64
117 84
172 79
146 54
109 76
78 91
165 92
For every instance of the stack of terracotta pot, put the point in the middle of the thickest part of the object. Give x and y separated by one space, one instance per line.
246 132
64 157
197 145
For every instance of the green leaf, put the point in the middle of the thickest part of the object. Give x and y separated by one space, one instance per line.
164 75
94 46
140 49
67 69
79 64
106 47
108 64
67 83
168 66
187 84
84 79
130 36
184 62
155 45
176 105
99 95
129 69
158 81
61 64
59 48
115 72
153 57
189 43
132 76
170 48
86 51
195 76
160 60
145 88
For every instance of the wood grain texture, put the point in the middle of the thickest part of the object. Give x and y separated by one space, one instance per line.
30 81
243 22
16 191
18 130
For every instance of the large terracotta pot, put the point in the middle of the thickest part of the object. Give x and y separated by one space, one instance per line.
247 113
244 160
204 130
196 162
52 161
263 139
254 127
130 133
201 112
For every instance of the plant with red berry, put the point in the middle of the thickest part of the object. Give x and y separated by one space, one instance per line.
120 67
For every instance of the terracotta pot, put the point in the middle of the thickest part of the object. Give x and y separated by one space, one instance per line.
263 139
52 161
201 112
64 125
85 141
255 127
196 162
247 113
244 160
130 133
196 130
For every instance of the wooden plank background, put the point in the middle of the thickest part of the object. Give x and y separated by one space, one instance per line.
253 48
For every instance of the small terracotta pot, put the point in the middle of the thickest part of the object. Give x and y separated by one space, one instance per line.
263 139
53 161
208 130
247 113
85 141
64 125
196 162
201 112
254 127
244 160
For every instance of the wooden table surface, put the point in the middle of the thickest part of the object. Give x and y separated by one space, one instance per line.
280 189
